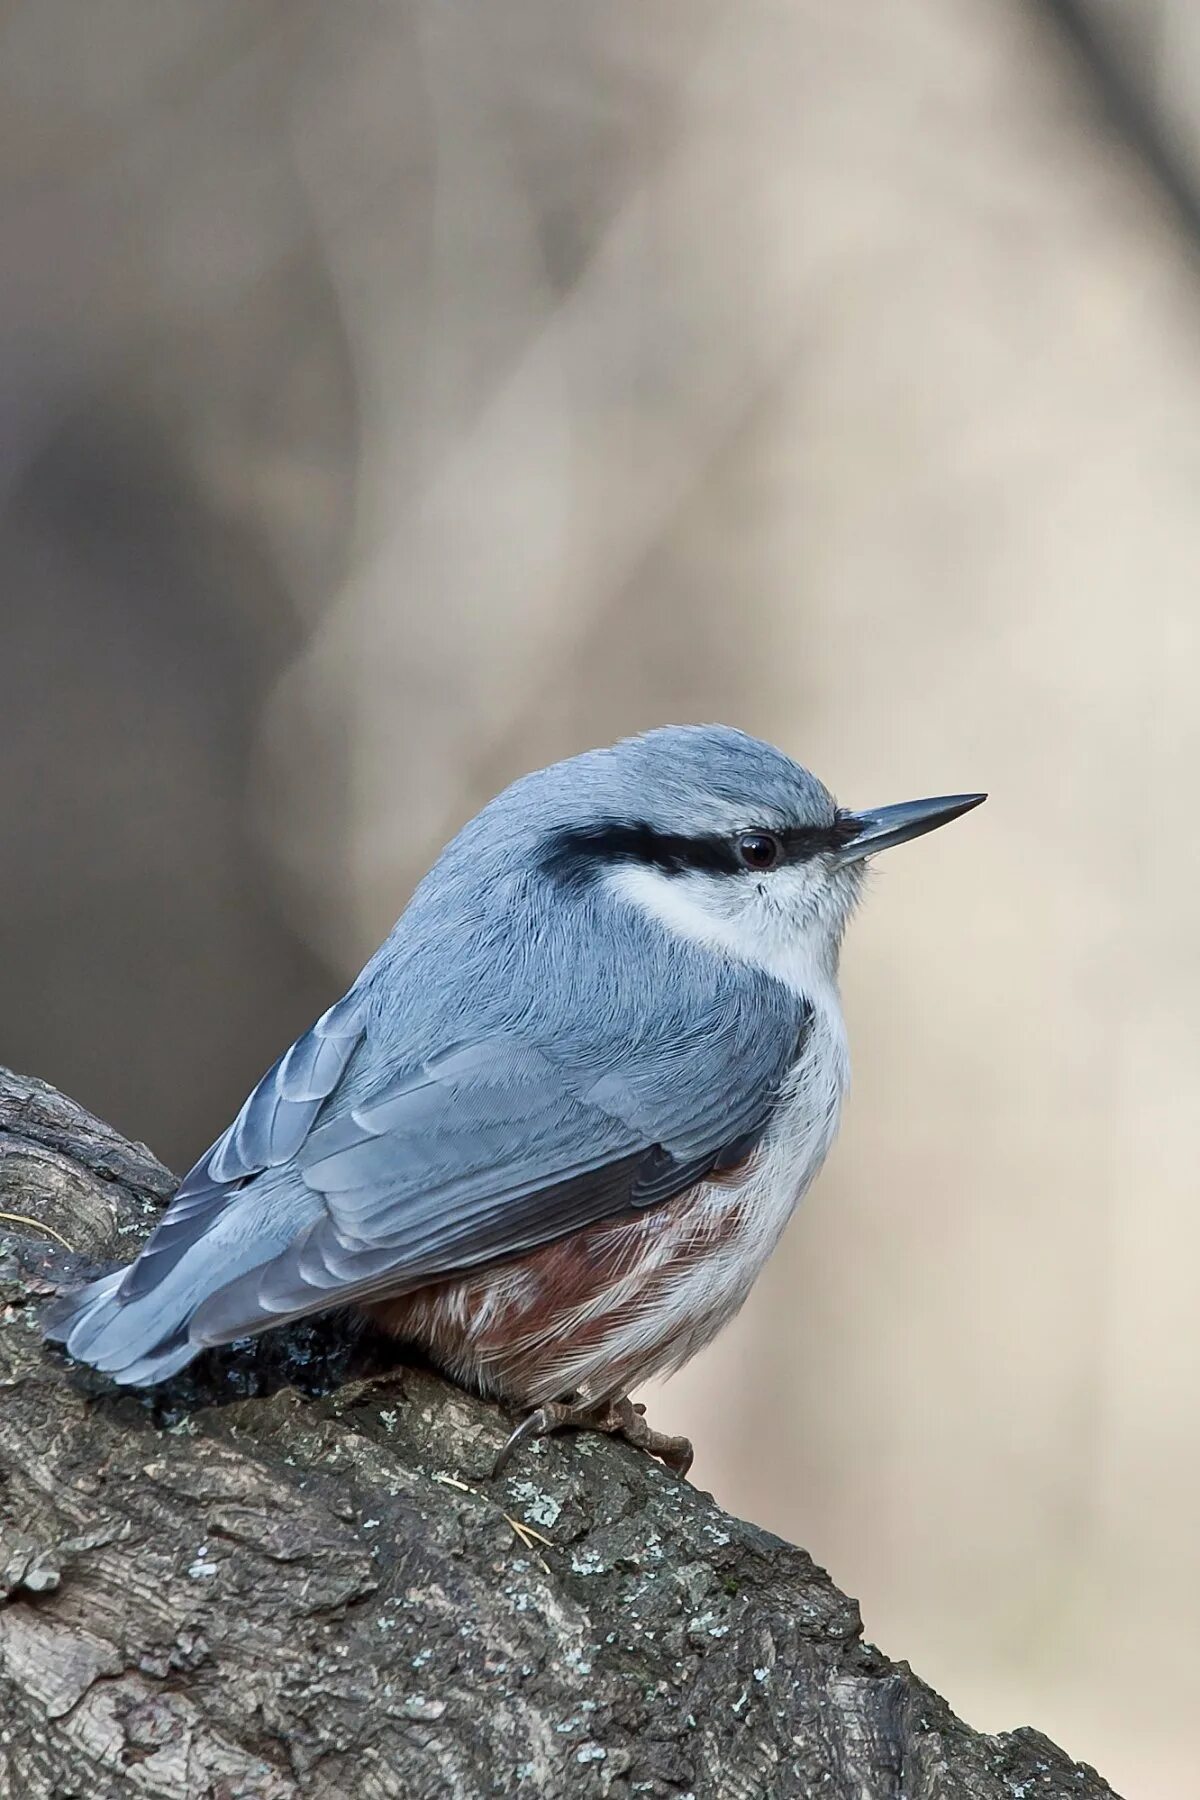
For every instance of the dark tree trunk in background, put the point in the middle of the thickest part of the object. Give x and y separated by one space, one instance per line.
289 1575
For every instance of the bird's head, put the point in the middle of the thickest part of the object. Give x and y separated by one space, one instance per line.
720 838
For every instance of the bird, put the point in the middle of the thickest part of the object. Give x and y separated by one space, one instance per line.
553 1131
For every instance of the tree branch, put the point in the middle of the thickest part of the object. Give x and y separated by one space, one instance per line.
288 1573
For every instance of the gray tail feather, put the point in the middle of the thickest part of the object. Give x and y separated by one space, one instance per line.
140 1338
93 1327
77 1317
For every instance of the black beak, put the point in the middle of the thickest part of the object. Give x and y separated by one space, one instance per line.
867 832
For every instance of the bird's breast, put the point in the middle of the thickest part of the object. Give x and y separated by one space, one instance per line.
608 1307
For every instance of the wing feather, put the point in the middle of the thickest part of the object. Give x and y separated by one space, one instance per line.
269 1131
332 1185
484 1153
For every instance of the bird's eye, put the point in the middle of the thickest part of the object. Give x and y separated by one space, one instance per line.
759 850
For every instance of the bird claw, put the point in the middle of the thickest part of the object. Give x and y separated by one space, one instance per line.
675 1452
537 1424
618 1418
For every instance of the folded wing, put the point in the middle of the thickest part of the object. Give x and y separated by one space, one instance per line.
313 1199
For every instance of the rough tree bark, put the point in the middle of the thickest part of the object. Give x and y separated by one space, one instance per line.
289 1574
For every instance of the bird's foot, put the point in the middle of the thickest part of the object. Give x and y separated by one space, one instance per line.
619 1418
630 1423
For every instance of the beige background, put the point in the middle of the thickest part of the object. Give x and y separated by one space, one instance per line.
396 397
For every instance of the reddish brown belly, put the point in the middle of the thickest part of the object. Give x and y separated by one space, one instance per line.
518 1328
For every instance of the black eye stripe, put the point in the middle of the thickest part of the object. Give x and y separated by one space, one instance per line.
575 855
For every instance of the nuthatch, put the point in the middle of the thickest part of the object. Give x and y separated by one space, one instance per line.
556 1127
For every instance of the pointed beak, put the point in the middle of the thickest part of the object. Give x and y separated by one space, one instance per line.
879 829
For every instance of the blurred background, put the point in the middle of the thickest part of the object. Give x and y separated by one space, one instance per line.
395 397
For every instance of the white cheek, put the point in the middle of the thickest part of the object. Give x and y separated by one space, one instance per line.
788 923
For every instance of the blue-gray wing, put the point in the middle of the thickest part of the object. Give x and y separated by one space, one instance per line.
494 1148
268 1132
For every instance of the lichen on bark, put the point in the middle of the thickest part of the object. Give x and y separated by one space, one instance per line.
289 1573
